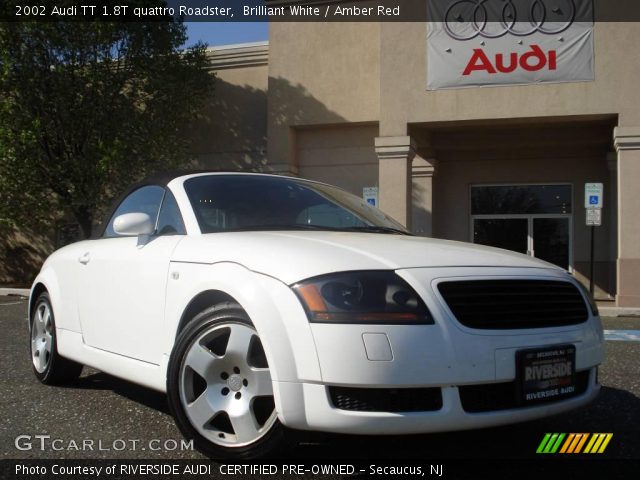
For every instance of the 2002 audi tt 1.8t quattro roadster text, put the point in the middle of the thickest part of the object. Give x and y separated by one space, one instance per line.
260 302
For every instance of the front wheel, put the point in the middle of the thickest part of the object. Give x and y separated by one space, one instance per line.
48 366
219 386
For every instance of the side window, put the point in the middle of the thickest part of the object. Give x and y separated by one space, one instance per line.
145 200
170 221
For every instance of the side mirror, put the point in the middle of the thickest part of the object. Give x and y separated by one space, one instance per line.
133 224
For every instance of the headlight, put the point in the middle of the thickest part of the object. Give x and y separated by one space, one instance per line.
380 297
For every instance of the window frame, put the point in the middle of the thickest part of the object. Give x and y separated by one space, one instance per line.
102 231
529 216
181 217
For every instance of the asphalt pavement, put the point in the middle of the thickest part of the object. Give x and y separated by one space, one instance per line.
122 420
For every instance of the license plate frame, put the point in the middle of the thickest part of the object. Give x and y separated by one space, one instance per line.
545 374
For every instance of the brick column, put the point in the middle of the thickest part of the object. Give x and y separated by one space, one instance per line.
395 155
422 171
611 210
627 143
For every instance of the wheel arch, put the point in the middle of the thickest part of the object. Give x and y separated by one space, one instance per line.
47 281
200 302
271 306
37 290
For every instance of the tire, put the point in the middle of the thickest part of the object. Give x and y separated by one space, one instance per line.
219 387
48 366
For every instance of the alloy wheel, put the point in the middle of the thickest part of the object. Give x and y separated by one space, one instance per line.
42 338
225 385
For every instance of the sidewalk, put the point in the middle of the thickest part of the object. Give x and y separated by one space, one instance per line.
619 312
21 292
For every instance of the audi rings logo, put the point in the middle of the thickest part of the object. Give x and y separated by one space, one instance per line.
469 19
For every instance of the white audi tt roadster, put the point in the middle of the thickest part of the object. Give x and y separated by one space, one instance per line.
262 303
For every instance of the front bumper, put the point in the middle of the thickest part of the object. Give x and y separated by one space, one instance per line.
310 408
445 356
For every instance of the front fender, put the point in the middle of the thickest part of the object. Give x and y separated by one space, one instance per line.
62 275
64 310
272 306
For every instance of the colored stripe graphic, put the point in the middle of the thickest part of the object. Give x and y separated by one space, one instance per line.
576 439
574 443
594 437
543 443
581 443
598 443
606 442
567 443
550 443
555 447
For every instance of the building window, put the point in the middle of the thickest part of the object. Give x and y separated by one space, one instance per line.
531 219
520 199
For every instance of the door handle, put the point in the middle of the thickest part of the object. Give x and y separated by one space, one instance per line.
84 259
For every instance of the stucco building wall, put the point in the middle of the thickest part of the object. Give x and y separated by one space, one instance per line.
320 74
341 155
234 136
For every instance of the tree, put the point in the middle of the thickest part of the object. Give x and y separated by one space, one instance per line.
87 107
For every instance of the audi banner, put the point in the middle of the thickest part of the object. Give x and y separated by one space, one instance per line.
474 43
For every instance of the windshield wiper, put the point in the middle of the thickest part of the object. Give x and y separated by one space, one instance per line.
283 226
308 226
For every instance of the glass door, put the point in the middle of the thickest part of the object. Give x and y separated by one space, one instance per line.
545 237
551 240
507 233
531 219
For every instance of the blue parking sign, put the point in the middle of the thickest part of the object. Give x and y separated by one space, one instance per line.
593 195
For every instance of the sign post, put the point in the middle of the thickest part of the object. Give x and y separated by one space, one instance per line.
593 198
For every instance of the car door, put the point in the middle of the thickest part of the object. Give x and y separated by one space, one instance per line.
122 297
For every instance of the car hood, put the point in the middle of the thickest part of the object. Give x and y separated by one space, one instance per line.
295 256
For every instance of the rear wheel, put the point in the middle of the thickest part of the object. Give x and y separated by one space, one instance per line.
219 386
49 367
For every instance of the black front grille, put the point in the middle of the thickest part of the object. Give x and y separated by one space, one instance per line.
386 399
493 397
513 304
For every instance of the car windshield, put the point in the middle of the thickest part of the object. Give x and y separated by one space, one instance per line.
250 203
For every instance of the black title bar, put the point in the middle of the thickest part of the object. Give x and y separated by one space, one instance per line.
478 11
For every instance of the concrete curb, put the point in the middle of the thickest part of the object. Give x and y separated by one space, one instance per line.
22 292
619 312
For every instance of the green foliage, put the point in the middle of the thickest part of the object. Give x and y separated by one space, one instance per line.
86 108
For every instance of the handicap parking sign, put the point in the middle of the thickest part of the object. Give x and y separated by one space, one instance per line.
593 195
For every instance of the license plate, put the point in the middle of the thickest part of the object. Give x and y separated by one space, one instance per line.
546 374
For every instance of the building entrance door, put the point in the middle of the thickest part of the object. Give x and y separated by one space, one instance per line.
543 237
534 220
551 240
